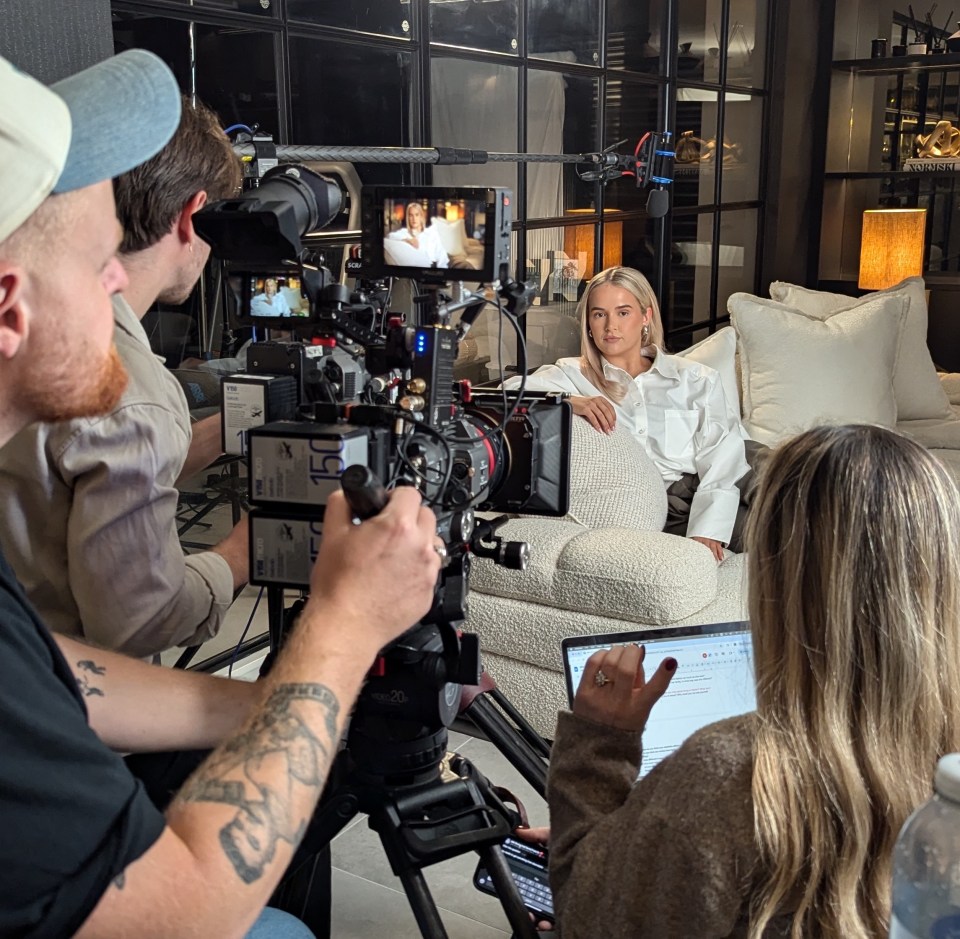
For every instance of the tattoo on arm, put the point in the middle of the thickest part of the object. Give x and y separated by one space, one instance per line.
259 771
87 671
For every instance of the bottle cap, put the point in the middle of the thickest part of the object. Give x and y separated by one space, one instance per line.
947 778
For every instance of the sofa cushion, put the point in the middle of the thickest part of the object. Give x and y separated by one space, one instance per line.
613 482
799 371
917 390
719 351
636 576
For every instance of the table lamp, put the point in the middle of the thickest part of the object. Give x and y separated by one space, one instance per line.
891 246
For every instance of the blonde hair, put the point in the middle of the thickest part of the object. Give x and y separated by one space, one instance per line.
636 284
853 559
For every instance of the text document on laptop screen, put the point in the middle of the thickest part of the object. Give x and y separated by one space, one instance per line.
714 680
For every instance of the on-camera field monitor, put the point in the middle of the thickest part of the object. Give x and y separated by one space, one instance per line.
438 233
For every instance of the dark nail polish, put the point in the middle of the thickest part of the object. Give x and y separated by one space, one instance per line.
670 664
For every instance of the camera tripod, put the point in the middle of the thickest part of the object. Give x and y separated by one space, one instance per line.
425 805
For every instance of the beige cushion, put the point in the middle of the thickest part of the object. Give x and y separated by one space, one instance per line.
453 235
719 351
799 371
916 387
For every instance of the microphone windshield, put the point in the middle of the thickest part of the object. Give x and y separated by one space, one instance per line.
658 203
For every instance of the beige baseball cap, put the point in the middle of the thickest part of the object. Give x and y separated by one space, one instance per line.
90 127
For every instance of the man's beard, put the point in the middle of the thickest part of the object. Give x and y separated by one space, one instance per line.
70 390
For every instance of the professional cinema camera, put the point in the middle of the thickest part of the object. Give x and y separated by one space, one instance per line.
359 396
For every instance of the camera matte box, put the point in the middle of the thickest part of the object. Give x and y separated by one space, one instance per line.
299 463
253 400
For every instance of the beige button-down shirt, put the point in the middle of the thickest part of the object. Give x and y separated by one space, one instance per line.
678 412
88 513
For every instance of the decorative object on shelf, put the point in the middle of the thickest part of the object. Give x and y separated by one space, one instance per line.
942 141
689 148
899 50
878 49
935 37
953 42
692 150
936 152
891 246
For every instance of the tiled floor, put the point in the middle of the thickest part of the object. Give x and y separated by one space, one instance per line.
368 900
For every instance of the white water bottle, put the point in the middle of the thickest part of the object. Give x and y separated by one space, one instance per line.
926 863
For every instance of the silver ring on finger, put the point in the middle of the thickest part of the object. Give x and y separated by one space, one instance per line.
441 550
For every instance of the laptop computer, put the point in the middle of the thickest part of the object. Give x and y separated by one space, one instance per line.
714 678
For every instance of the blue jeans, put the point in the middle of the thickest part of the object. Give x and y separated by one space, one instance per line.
275 924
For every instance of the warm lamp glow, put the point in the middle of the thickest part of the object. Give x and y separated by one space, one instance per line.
579 240
891 247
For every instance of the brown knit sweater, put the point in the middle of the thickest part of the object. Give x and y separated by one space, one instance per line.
672 857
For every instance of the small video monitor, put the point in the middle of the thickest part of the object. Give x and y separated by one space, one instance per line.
273 299
436 232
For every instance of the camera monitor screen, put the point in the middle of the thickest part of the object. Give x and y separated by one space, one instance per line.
439 232
273 295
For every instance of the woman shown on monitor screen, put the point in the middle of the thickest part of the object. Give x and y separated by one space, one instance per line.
271 302
417 244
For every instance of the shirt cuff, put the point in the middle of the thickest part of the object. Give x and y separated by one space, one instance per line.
713 514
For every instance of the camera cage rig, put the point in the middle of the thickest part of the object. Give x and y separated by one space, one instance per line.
389 765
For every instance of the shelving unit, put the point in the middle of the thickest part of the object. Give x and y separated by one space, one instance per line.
878 108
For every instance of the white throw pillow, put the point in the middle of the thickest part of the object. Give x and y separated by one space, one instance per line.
719 351
915 385
453 235
799 371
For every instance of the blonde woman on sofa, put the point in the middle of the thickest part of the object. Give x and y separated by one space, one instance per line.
780 822
675 407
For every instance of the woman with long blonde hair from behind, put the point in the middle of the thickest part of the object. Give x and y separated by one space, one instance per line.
781 822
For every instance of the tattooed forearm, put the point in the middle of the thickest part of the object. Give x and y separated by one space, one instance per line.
87 669
289 745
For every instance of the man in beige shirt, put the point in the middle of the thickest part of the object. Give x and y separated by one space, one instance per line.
90 505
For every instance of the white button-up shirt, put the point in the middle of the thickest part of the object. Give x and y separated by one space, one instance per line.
677 410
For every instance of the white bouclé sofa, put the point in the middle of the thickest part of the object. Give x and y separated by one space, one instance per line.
786 363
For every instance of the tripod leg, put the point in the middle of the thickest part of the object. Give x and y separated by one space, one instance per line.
421 902
528 733
507 892
527 761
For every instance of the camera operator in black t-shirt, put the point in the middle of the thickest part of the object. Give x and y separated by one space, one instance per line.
84 852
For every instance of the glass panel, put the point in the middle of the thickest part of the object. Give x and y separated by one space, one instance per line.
487 93
690 262
638 236
693 172
634 29
492 25
552 326
737 257
700 42
236 71
746 43
742 129
347 95
564 30
386 17
561 118
632 110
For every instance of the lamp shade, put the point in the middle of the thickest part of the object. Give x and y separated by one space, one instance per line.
891 246
578 240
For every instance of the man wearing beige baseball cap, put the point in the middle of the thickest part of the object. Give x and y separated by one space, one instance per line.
84 852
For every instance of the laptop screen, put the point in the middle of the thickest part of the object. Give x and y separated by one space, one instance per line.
714 678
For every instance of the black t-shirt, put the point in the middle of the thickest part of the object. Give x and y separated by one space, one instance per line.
72 817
